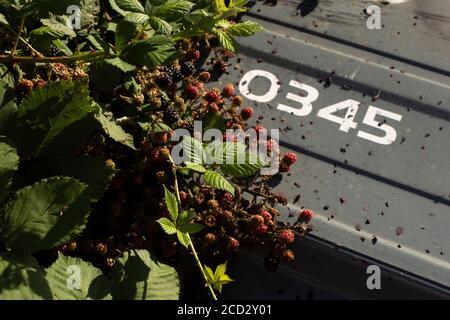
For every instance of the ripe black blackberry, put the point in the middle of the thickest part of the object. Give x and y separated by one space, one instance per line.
170 115
165 80
55 51
187 68
189 126
175 74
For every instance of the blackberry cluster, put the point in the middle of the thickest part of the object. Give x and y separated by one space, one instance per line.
187 68
170 115
55 51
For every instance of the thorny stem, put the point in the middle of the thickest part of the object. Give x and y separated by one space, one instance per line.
191 244
65 59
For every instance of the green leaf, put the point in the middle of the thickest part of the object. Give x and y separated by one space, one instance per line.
124 33
45 214
183 238
215 180
214 120
195 167
209 274
114 131
167 225
136 17
245 29
88 281
220 270
171 204
45 113
157 50
225 40
59 24
190 228
139 276
193 150
160 25
173 10
21 278
240 170
3 19
98 43
128 5
9 162
120 64
186 216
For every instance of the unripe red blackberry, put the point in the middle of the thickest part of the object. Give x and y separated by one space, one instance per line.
306 215
213 107
226 199
26 85
213 95
246 113
262 229
256 220
288 256
286 236
210 238
193 92
266 215
233 243
289 158
259 128
228 90
39 83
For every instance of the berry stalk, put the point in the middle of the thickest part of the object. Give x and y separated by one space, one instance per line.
191 244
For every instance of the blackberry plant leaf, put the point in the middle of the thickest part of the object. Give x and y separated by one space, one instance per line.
245 29
171 204
46 113
114 131
21 278
139 276
155 51
160 25
136 17
85 281
167 225
226 40
124 33
173 10
195 167
127 5
193 149
215 180
45 214
120 64
9 162
183 238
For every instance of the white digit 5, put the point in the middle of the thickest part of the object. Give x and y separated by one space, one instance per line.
306 108
369 119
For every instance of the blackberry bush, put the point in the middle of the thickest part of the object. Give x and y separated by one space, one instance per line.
85 140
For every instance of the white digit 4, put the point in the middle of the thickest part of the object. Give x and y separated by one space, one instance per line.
306 101
369 119
347 122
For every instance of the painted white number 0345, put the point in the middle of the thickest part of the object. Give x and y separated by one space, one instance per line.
305 107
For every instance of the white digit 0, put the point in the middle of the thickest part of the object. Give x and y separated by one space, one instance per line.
269 95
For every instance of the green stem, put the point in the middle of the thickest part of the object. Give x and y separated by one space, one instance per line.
191 244
90 56
16 43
